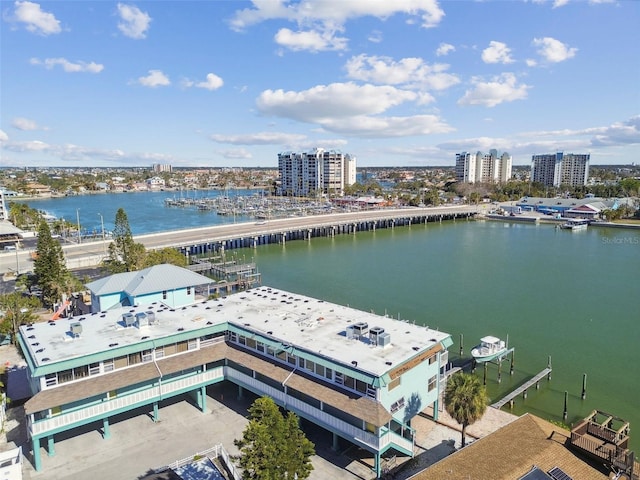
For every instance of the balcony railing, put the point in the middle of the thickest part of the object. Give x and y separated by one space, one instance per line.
349 431
151 394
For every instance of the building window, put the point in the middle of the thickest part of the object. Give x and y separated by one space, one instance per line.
121 362
182 347
108 365
94 369
159 352
164 294
147 355
395 406
432 359
433 382
188 290
80 372
135 358
192 344
65 376
50 379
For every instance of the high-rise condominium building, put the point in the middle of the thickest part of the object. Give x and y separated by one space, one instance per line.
317 171
159 168
555 169
483 167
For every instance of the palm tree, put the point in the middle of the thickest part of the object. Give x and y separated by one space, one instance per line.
465 399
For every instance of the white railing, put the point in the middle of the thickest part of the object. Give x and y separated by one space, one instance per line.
348 430
157 392
213 452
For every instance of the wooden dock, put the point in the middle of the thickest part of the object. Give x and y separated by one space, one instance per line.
522 389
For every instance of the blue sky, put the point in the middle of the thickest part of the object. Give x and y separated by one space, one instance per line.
395 83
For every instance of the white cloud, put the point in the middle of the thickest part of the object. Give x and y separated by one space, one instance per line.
336 13
236 154
351 109
531 62
260 138
213 82
310 40
35 19
386 127
553 50
3 136
68 66
324 102
559 3
155 79
25 124
497 52
375 36
318 22
134 22
445 49
503 88
411 72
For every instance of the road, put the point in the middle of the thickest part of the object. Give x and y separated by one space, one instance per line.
92 252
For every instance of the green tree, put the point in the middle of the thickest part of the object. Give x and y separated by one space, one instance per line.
125 255
16 309
273 447
49 266
465 399
165 255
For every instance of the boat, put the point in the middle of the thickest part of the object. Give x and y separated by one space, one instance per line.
489 349
575 224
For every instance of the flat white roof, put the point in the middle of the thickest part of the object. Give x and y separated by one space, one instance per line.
292 319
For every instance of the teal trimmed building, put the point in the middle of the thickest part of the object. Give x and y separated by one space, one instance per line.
361 376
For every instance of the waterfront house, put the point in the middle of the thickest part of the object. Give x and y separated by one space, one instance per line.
167 284
360 376
529 448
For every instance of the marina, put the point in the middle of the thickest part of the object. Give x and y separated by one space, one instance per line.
432 272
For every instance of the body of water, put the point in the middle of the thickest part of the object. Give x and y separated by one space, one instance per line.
569 295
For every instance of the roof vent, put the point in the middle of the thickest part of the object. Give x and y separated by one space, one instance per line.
360 328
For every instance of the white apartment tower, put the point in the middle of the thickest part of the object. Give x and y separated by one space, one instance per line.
483 167
555 169
316 171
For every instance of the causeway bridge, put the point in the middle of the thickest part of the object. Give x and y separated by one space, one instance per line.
218 238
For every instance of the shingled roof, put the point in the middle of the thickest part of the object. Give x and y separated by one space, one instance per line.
511 452
153 279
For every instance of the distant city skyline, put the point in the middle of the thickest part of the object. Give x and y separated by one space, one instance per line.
232 84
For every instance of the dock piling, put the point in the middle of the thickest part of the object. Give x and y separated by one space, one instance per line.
513 354
484 377
461 344
584 386
564 413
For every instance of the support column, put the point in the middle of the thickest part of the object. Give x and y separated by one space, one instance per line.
334 444
156 415
106 432
376 466
240 393
202 399
37 459
51 448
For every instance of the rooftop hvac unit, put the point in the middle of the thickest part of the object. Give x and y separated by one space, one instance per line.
151 317
128 319
374 334
384 339
349 331
360 328
76 329
141 319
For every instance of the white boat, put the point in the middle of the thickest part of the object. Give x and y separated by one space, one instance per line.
489 349
575 224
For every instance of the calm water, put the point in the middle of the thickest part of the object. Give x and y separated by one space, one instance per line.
573 296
